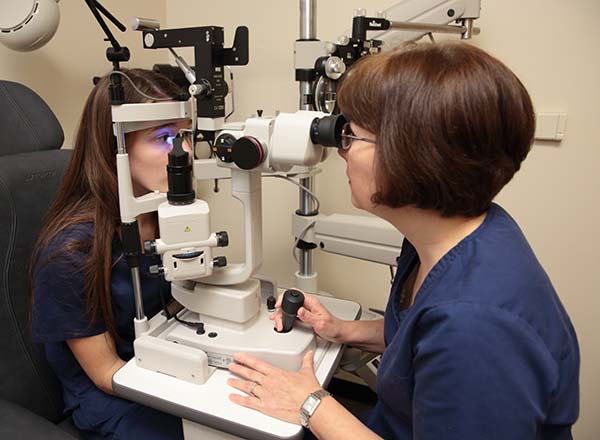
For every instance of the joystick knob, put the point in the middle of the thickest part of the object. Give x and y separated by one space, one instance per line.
292 301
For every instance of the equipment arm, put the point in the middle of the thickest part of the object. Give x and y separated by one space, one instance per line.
365 238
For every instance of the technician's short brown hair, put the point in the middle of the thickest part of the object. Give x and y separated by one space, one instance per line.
453 125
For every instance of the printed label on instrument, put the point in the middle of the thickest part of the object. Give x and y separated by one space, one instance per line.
219 360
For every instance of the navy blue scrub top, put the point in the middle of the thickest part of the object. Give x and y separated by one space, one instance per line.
486 351
59 314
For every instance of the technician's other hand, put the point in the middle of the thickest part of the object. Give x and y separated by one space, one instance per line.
274 392
317 316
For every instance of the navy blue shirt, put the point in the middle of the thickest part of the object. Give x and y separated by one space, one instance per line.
486 351
59 314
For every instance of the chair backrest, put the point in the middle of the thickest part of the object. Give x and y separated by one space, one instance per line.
31 169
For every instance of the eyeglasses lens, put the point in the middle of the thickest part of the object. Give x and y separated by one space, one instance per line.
346 136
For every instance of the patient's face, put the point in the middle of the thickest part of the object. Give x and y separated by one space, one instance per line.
148 156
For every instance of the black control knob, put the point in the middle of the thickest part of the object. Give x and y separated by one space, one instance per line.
150 247
219 261
271 301
248 152
292 301
222 239
223 147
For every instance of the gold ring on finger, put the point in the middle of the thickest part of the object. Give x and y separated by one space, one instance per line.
252 386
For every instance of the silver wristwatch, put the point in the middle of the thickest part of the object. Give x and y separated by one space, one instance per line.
310 405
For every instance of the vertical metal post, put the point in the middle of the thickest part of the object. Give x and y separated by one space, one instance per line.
135 271
308 20
120 135
137 293
308 31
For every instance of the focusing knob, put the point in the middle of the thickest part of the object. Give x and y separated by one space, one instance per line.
222 239
156 269
271 301
248 152
223 147
334 67
150 247
220 261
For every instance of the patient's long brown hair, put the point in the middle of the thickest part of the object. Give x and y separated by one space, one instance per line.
89 191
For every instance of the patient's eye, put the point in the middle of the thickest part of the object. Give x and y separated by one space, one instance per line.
165 140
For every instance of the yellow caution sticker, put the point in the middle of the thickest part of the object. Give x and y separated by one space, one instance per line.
188 229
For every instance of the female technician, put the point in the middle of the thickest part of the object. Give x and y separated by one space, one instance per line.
476 343
82 305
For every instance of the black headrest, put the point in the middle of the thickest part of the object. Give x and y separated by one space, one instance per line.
26 122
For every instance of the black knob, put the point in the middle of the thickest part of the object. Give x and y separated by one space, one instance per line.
150 247
292 301
223 147
220 261
248 153
222 239
271 303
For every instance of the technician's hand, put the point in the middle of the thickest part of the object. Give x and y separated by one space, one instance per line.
317 316
274 392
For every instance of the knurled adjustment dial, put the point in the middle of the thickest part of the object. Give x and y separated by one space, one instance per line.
248 152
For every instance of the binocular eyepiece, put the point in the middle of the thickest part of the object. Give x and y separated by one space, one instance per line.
327 131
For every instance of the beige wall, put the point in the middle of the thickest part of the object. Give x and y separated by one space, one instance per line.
61 72
551 45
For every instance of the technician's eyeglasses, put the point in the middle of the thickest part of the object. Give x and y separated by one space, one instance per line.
348 137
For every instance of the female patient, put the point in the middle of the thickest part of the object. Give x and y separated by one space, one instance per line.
476 343
83 306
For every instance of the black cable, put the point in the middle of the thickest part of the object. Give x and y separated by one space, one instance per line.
197 325
193 324
153 98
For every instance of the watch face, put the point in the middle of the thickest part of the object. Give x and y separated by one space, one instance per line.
310 404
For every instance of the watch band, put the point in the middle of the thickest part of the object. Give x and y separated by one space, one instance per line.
310 405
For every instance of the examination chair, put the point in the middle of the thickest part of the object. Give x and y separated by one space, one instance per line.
31 169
